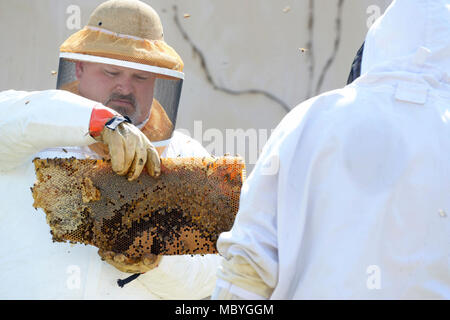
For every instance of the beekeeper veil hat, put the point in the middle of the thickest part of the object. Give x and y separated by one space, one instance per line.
129 33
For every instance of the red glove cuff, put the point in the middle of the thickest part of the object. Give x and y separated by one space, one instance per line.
99 117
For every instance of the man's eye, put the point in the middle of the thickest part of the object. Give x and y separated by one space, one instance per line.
141 78
111 73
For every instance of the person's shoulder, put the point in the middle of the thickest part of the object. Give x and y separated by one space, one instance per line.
346 104
325 116
185 140
12 94
315 110
184 146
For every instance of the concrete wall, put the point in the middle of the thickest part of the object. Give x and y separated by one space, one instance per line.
243 65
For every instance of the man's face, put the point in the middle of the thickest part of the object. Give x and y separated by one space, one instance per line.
127 91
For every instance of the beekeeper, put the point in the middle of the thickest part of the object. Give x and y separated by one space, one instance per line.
116 75
350 197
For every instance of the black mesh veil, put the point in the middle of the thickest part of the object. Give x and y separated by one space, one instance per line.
167 90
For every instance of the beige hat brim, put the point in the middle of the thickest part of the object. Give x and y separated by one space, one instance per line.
95 42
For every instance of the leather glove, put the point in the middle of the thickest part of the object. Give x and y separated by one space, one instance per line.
124 264
129 148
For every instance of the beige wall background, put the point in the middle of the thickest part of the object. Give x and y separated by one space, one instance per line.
244 68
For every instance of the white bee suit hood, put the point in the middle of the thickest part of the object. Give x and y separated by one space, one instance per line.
359 207
393 43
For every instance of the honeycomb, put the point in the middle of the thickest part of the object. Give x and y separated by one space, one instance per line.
183 211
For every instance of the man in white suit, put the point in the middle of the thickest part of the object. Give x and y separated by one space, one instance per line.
359 206
119 87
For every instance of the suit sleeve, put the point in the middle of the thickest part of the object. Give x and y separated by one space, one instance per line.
249 267
33 121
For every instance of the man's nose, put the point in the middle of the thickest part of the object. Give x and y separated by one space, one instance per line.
124 85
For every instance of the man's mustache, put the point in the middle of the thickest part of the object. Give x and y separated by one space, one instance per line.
116 96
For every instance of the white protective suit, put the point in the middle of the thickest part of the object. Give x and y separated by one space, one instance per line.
31 265
360 205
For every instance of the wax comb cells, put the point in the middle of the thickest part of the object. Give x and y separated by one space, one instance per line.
181 212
